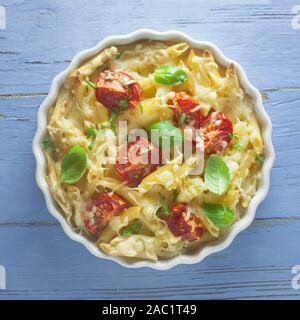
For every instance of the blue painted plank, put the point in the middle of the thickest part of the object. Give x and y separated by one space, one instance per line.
43 263
37 48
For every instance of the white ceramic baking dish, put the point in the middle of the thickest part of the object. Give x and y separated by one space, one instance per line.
262 117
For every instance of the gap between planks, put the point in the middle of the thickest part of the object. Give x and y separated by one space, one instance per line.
34 224
21 95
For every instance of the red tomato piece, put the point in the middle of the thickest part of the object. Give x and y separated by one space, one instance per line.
101 209
115 86
134 161
184 225
217 132
184 103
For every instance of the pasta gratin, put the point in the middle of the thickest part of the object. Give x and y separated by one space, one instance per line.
107 186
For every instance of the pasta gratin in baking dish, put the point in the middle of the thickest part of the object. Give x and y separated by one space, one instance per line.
153 149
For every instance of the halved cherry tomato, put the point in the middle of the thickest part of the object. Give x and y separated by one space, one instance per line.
115 87
134 161
217 128
101 209
217 132
184 103
184 225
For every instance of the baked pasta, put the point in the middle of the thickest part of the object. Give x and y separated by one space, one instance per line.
105 181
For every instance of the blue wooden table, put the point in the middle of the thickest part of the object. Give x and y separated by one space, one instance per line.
39 40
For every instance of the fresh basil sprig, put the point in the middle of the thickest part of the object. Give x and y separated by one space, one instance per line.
73 165
133 228
216 174
168 134
169 75
218 214
92 134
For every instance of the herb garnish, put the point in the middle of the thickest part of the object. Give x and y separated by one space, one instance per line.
216 174
91 134
89 84
73 165
170 75
119 55
260 158
182 119
230 135
133 228
167 133
49 144
220 215
238 147
123 104
174 196
164 205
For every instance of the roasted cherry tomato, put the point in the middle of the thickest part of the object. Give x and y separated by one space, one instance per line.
184 225
186 106
116 89
134 161
101 209
217 132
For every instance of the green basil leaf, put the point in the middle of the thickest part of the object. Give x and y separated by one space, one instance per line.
216 174
169 75
133 228
73 165
167 133
218 214
164 205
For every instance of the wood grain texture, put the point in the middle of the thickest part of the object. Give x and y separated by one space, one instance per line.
40 40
